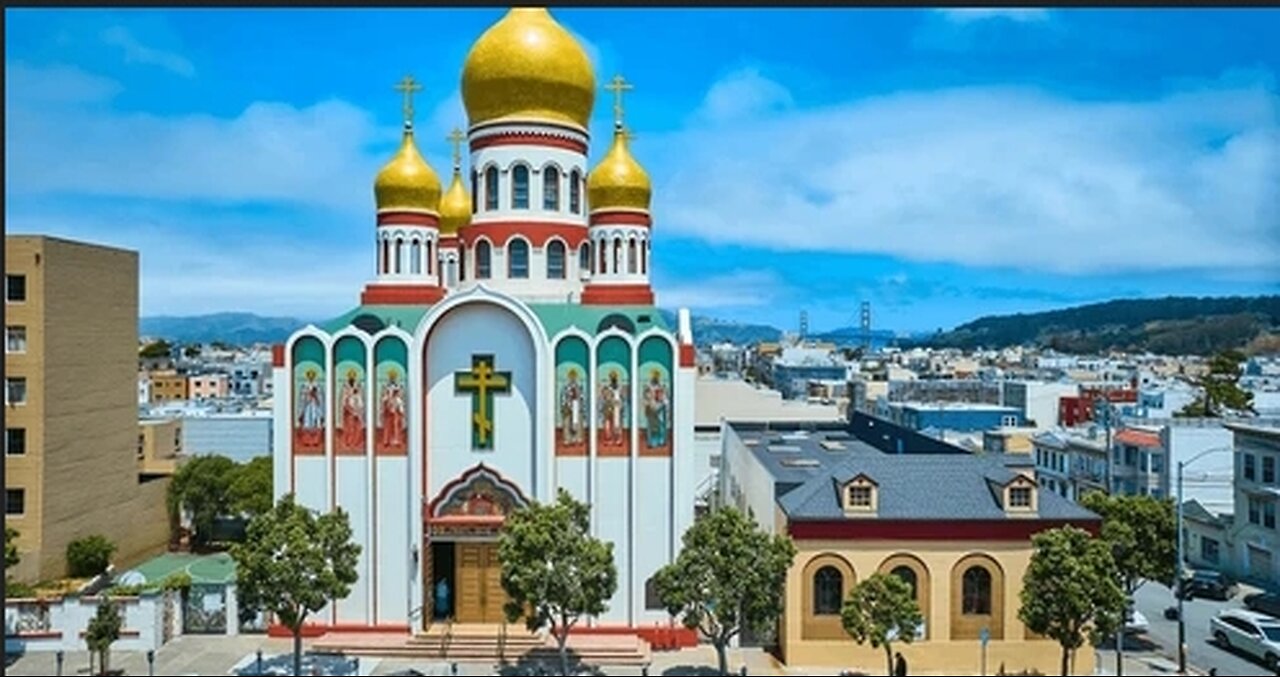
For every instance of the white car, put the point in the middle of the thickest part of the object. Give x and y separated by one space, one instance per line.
1249 632
1137 623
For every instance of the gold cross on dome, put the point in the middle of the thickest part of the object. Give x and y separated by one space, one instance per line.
456 137
408 86
618 85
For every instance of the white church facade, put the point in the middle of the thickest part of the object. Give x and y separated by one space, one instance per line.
507 346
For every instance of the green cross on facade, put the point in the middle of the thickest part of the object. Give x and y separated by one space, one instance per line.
482 382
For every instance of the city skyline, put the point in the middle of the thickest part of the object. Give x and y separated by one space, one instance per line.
978 161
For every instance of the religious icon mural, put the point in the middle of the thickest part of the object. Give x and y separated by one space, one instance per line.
391 428
482 382
613 374
655 397
349 386
308 395
573 397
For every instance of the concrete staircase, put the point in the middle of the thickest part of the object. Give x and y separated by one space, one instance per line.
488 644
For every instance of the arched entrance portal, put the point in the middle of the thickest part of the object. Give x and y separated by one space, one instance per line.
462 574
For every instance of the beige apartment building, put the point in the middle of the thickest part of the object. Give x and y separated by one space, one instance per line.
71 412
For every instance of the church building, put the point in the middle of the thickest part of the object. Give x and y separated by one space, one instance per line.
508 345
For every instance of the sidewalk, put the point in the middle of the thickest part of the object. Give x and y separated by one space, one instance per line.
1140 664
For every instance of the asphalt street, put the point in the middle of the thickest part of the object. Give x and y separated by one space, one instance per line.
1152 599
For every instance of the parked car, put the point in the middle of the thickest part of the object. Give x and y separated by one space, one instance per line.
1137 623
1210 584
1249 632
1264 603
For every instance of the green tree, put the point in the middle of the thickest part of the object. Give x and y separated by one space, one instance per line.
1070 591
881 609
251 487
192 351
202 487
729 575
160 348
293 562
1221 391
89 556
1142 533
103 631
11 556
553 571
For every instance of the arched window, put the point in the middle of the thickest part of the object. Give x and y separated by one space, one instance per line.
431 258
555 260
386 256
908 576
977 592
462 262
399 254
491 188
584 257
828 592
551 189
604 254
475 192
631 256
575 192
518 259
520 187
415 257
617 255
644 256
482 260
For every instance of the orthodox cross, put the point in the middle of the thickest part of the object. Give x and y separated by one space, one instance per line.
618 86
408 86
456 137
482 382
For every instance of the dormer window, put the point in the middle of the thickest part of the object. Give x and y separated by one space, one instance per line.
1020 497
859 495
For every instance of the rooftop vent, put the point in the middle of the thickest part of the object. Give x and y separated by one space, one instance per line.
800 463
832 446
784 448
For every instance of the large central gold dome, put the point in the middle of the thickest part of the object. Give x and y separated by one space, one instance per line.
528 67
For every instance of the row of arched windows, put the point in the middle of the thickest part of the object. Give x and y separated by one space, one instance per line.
518 259
975 589
521 193
611 252
398 255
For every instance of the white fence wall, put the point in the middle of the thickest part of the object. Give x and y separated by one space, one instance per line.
59 623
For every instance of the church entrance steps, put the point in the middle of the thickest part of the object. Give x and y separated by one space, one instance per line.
467 642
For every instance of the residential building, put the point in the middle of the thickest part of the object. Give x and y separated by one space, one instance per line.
241 436
159 446
1011 440
248 378
1255 537
1038 400
1139 463
71 415
852 511
144 388
957 416
168 385
208 386
1070 464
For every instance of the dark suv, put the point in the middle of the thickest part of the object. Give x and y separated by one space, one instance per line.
1264 603
1211 584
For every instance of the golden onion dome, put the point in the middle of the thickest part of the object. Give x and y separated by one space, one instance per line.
528 67
455 206
407 181
618 182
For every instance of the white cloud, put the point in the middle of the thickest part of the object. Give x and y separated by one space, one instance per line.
54 85
136 52
271 152
966 15
741 94
993 177
737 289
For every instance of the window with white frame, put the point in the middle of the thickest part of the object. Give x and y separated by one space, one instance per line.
15 390
15 339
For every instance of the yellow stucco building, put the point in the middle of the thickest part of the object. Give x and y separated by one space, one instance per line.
957 527
72 465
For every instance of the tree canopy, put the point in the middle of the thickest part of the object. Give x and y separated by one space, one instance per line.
880 610
160 348
202 487
293 562
1070 592
1142 533
89 556
729 575
553 570
103 631
1221 393
250 491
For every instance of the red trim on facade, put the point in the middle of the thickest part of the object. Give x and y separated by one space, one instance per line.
537 232
449 241
346 451
930 530
401 294
277 355
688 355
312 630
307 451
408 219
659 637
123 634
528 139
620 218
617 295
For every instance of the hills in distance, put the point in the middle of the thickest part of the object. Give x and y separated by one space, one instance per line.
1170 325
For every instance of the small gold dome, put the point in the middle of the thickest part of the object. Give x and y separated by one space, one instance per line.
528 67
618 182
407 181
455 206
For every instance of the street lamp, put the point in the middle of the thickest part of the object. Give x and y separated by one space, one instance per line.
1177 572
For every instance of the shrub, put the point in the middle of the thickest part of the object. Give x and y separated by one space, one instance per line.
177 581
125 590
90 556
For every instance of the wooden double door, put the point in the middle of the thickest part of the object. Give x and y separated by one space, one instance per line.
479 583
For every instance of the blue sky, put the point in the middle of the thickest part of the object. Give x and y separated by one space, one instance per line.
941 164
